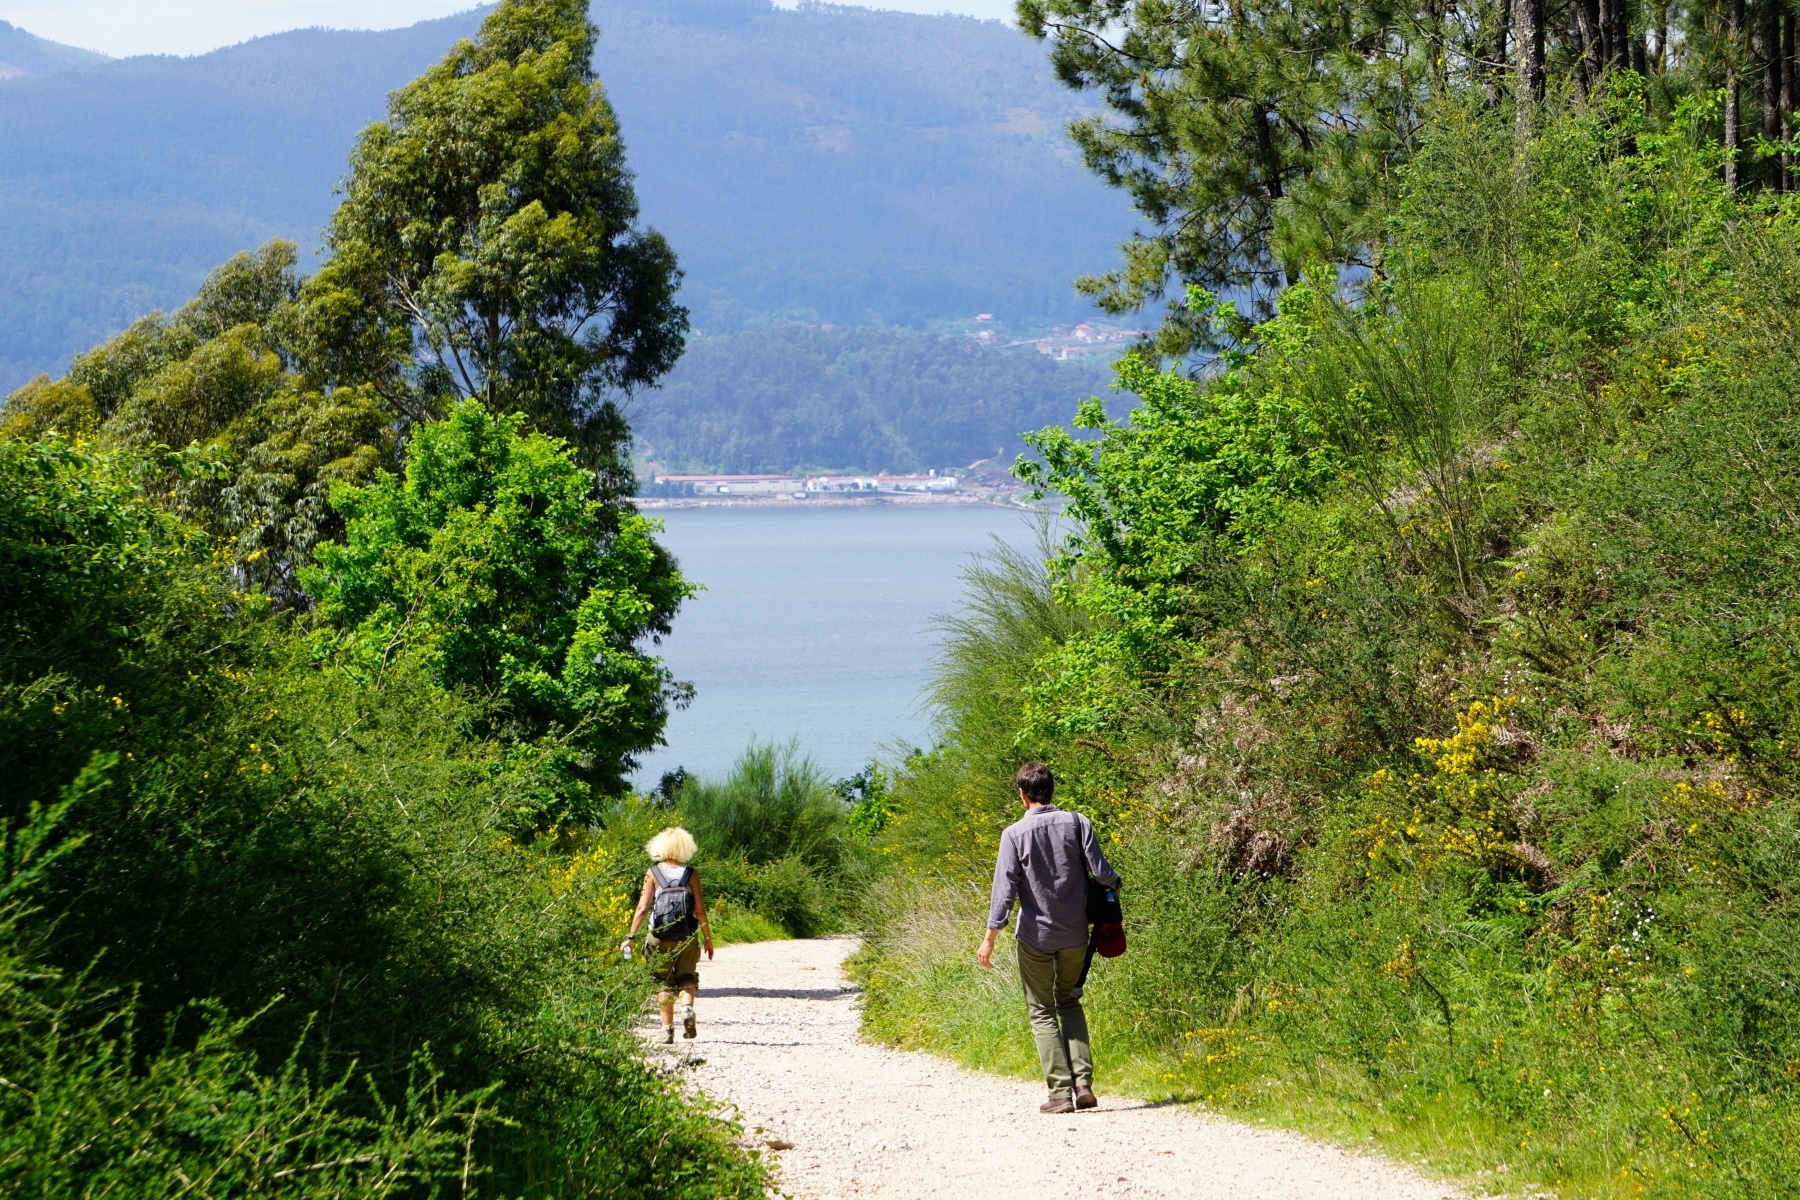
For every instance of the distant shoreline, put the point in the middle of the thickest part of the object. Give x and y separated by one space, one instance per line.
653 503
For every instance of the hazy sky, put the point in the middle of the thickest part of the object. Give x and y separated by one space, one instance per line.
123 27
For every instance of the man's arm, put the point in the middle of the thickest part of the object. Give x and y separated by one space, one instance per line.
1000 901
1097 865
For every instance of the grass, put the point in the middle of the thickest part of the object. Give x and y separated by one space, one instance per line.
924 992
734 924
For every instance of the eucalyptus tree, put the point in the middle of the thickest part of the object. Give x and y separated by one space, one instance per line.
488 244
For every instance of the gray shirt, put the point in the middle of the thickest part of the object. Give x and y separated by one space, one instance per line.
1045 859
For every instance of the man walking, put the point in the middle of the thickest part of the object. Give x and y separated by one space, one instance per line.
1045 860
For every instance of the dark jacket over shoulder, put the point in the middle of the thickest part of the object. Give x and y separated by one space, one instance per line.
1045 859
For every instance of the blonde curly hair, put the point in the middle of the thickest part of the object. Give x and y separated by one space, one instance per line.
673 844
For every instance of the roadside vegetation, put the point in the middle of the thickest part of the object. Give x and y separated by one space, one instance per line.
780 855
326 640
1427 661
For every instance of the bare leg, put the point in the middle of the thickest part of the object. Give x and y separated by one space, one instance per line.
666 1000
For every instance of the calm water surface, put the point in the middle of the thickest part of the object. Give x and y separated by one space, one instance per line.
815 623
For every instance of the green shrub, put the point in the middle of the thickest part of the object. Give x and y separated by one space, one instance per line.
785 891
773 805
1451 768
90 1110
732 922
299 876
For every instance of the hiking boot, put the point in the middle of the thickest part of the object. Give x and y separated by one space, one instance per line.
668 1035
1057 1104
1085 1098
687 1024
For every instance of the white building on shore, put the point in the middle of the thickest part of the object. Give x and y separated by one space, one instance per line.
799 489
843 484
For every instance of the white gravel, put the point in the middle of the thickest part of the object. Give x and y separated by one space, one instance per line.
779 1038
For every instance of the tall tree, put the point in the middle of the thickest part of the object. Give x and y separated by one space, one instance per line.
1786 63
492 558
1250 133
1734 37
1768 62
1531 54
487 245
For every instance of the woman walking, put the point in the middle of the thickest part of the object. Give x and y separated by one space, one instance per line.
677 912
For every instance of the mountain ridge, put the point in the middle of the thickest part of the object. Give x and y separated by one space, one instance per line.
813 164
23 53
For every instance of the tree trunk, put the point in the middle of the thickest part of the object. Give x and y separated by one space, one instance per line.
1497 53
1605 45
1787 99
1581 47
1768 53
1530 22
1734 37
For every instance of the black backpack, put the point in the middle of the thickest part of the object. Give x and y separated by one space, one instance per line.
672 913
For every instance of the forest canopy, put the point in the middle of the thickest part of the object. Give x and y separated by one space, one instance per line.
792 398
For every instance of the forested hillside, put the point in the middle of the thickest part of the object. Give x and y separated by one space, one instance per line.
1428 661
858 399
23 54
820 164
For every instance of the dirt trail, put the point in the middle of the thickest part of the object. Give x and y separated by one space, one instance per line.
778 1037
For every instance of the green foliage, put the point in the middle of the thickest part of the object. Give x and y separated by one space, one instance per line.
793 398
491 558
1180 481
1428 669
302 878
733 922
324 857
1251 136
488 224
868 795
774 845
109 606
259 446
774 805
88 1111
1260 137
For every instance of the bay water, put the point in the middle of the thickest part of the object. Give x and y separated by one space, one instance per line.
816 624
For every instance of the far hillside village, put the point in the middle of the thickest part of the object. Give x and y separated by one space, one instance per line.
985 482
982 483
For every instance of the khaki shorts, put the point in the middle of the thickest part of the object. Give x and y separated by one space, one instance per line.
674 965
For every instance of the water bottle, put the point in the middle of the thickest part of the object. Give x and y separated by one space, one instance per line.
627 951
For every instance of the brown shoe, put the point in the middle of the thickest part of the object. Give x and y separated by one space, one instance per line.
1057 1104
1085 1098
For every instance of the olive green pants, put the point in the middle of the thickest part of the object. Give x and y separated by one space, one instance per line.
1057 1022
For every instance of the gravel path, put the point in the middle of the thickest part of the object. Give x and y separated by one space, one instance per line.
778 1037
